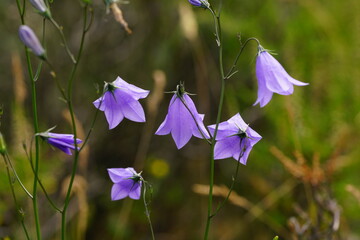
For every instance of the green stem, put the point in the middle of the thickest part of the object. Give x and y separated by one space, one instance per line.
21 215
60 29
147 212
16 176
71 110
221 101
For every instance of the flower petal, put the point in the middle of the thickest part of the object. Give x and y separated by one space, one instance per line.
118 174
165 127
226 147
135 191
112 110
130 107
120 191
135 91
181 122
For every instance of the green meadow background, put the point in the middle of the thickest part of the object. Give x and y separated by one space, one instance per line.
300 180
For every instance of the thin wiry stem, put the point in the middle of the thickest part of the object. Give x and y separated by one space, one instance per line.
221 101
16 176
35 125
20 212
147 212
71 111
63 39
231 73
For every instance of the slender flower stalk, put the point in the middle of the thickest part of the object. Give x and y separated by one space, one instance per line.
218 36
73 123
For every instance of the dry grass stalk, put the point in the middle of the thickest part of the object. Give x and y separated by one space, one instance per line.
119 17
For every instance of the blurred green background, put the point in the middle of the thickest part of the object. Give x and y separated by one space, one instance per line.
317 127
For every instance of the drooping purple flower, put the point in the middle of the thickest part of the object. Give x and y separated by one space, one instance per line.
235 139
200 3
127 183
182 121
272 78
120 100
64 142
28 37
40 6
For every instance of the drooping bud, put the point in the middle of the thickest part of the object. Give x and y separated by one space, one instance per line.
28 37
200 3
40 6
2 145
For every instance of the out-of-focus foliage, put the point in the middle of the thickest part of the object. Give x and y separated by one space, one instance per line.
317 41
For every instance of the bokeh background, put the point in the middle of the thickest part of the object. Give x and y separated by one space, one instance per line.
302 179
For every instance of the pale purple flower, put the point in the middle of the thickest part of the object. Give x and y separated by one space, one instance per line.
64 142
272 78
180 122
39 5
127 183
120 100
28 37
235 139
200 3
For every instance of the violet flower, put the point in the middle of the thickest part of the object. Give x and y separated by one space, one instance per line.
182 121
234 139
64 142
272 78
200 3
127 183
28 37
121 100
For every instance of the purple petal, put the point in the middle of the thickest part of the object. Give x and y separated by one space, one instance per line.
181 122
118 174
273 74
135 191
67 138
133 90
112 110
28 37
226 147
165 127
297 83
98 103
130 107
120 190
244 156
61 145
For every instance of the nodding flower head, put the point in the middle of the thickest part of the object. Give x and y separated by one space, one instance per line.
64 142
28 37
182 120
272 78
200 3
127 183
120 100
234 139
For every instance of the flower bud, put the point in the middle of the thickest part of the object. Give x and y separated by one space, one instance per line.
28 37
39 5
2 145
200 3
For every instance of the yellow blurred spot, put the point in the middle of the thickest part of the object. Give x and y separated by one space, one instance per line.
159 168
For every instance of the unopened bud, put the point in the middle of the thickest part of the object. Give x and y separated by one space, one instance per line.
200 3
40 6
2 145
28 37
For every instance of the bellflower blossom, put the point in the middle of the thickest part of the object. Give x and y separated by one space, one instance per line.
234 139
200 3
64 142
28 37
120 100
272 78
180 122
127 183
